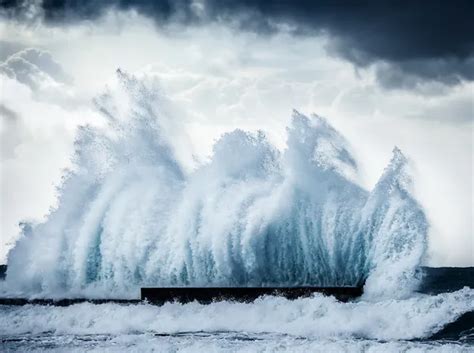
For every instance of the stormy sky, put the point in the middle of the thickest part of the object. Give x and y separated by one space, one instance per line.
385 73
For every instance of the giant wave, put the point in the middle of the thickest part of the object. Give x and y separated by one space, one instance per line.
131 214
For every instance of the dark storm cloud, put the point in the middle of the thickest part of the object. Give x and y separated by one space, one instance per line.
420 40
63 11
413 73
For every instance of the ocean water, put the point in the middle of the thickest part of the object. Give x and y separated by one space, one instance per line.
441 319
136 209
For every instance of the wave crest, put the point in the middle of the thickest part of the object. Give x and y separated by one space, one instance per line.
131 214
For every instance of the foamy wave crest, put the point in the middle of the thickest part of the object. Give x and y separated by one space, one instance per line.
316 317
131 214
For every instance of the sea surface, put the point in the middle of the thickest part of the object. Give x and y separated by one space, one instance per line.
439 317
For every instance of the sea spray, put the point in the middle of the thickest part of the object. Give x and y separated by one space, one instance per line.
131 213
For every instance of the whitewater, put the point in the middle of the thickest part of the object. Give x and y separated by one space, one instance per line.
131 213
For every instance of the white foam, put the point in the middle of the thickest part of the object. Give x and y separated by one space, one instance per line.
310 318
223 342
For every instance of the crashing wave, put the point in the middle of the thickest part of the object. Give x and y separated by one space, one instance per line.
131 214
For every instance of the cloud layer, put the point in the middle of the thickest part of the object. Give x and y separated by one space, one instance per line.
417 41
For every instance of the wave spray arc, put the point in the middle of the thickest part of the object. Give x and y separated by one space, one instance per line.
129 214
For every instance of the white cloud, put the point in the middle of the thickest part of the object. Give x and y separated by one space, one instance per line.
34 68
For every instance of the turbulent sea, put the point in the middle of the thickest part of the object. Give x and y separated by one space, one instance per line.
136 209
439 318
